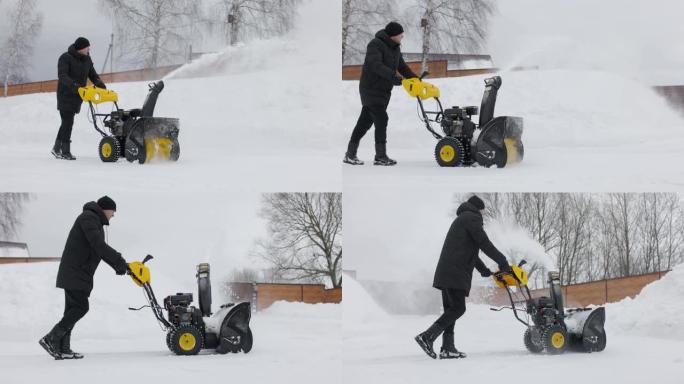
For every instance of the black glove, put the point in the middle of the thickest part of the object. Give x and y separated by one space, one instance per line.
122 268
506 268
396 80
486 273
101 85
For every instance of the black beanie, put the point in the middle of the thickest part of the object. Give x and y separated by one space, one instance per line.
477 202
393 29
106 202
81 43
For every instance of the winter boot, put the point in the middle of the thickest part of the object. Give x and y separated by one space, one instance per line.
350 156
448 350
427 338
52 341
66 151
57 149
381 155
67 353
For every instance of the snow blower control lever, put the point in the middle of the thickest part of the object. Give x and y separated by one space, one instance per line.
190 329
550 327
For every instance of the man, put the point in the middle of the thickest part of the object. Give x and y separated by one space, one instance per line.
454 273
73 69
378 76
85 247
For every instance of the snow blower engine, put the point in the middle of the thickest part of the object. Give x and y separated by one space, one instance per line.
190 329
550 327
134 133
498 142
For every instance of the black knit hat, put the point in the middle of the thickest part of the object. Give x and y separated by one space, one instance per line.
477 202
393 29
81 43
106 202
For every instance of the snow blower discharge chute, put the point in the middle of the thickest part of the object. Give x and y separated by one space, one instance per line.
498 142
190 329
550 327
134 133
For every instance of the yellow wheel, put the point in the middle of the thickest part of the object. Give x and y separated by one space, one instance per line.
555 339
449 152
109 149
186 340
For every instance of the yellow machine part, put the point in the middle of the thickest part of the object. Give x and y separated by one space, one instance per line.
513 154
558 340
508 279
158 148
447 153
418 88
106 150
140 273
97 95
187 341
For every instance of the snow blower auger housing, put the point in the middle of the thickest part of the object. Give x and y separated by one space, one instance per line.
499 140
550 327
133 133
190 329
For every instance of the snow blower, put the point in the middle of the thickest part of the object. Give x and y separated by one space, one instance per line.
498 142
550 327
135 133
190 329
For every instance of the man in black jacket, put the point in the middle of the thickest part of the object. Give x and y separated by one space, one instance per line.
85 247
73 69
378 76
466 237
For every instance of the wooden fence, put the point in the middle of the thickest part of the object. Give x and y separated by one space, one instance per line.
147 74
595 292
263 295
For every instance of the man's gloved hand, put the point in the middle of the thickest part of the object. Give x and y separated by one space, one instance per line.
486 273
396 80
506 268
122 268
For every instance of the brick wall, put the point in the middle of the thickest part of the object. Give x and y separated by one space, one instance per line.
21 260
262 295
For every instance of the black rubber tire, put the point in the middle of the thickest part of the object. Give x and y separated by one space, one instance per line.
555 339
530 344
175 150
449 152
169 335
133 152
187 340
109 149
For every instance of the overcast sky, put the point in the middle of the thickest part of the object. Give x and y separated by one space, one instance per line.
638 38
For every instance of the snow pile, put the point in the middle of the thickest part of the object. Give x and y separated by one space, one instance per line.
32 305
359 306
298 309
655 312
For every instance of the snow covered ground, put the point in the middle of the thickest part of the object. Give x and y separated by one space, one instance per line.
379 347
257 119
291 340
584 130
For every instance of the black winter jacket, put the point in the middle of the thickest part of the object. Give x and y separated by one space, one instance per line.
383 60
466 237
73 71
85 247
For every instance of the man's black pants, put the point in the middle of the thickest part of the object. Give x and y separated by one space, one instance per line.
371 115
453 301
64 133
75 307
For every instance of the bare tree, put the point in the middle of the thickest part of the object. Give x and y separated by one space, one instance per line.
305 235
360 18
240 19
452 25
152 32
24 23
11 209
